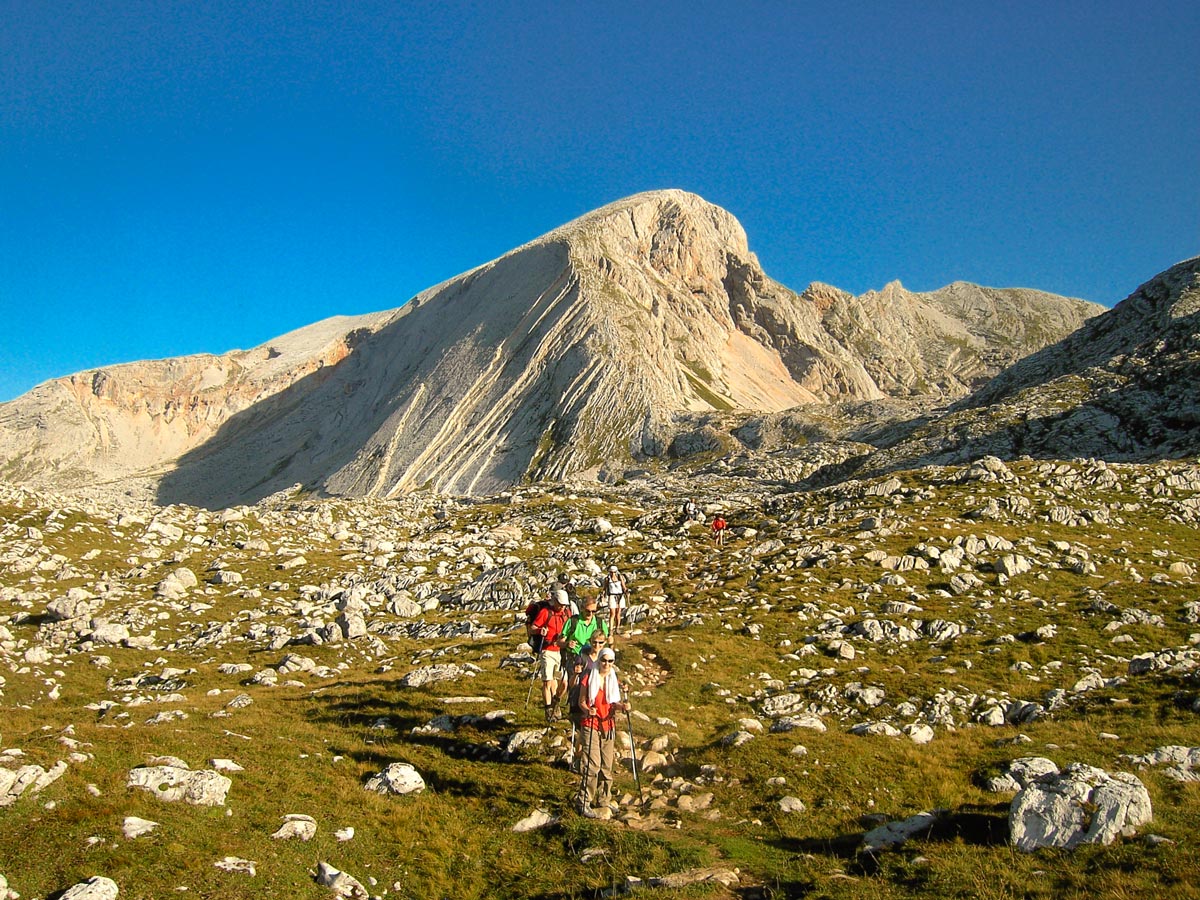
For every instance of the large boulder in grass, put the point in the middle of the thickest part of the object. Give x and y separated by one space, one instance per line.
95 888
1080 805
200 788
398 778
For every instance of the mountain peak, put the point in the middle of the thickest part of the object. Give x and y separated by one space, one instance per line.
642 217
571 356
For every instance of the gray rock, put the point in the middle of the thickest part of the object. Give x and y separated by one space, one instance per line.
791 723
133 827
237 865
296 825
783 705
342 884
893 834
31 778
1020 773
919 733
1081 805
109 633
75 605
529 738
791 805
694 802
535 820
429 674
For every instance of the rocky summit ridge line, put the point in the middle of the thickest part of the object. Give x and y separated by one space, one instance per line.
570 356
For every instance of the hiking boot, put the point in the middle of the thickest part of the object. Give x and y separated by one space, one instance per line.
599 812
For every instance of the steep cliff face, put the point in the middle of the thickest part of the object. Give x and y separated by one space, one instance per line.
549 362
565 357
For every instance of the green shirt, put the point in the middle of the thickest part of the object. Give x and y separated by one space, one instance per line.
577 632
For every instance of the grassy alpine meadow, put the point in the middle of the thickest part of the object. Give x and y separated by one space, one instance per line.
1012 612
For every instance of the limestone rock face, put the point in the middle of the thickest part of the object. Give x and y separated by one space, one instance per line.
1124 387
125 420
946 342
567 357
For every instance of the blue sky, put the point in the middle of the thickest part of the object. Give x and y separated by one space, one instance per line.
182 177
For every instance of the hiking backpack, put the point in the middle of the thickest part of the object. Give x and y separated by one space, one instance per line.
531 613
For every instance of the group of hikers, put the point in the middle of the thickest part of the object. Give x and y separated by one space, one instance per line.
691 512
572 637
577 663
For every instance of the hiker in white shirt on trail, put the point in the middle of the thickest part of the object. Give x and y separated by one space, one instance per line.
615 589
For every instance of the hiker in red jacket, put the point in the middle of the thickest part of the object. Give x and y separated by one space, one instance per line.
600 701
719 527
549 625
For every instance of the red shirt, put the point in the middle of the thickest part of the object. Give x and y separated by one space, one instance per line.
718 524
603 713
553 620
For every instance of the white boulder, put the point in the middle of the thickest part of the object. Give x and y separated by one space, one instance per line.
398 778
1081 805
199 788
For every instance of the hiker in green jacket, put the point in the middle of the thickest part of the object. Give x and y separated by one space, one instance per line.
579 630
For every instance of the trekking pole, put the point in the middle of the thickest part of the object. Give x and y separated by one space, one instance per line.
533 676
637 777
584 798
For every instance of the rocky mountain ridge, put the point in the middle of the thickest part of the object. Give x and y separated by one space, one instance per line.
1125 386
568 357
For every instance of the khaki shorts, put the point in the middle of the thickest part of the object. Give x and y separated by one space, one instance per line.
551 665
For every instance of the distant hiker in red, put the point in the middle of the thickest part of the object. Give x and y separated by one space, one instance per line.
719 527
549 625
600 701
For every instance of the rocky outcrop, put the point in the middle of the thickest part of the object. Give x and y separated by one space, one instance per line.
127 420
947 342
1126 386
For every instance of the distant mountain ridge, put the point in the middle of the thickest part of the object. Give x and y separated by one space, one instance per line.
567 357
1124 387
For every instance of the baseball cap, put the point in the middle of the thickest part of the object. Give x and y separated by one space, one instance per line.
560 596
607 653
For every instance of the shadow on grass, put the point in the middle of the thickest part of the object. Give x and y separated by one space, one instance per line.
978 826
